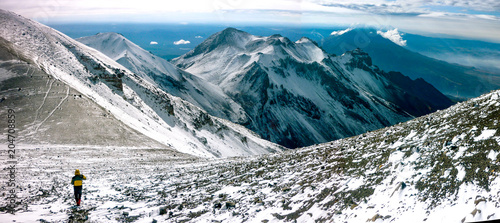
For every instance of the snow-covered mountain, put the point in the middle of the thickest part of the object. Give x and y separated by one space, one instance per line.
296 94
138 104
48 111
166 76
451 79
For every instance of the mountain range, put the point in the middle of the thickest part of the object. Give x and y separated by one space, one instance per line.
296 94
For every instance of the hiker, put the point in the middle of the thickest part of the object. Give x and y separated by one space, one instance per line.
77 182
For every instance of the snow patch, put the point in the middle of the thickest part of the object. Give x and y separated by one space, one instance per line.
458 138
355 183
411 135
492 155
485 134
460 153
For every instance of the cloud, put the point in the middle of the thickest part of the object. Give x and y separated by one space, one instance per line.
198 37
180 42
418 7
394 36
340 32
478 5
153 43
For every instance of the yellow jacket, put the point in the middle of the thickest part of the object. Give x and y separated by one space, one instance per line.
77 180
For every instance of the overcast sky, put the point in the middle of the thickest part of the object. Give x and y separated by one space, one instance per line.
474 19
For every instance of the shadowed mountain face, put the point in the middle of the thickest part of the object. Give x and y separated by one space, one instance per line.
296 94
451 79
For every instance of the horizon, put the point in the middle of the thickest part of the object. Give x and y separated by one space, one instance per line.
475 20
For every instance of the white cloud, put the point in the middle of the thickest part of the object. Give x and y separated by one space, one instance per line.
182 42
198 37
340 32
481 5
394 36
153 43
414 6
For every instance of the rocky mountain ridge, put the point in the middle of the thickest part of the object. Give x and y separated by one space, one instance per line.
296 94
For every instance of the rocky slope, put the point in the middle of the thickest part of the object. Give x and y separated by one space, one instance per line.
442 167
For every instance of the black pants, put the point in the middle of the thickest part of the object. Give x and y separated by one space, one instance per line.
78 193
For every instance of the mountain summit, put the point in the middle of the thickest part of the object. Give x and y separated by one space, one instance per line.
296 94
229 37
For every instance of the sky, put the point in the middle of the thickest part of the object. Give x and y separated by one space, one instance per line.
468 19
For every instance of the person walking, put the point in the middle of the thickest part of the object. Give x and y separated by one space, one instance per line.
77 182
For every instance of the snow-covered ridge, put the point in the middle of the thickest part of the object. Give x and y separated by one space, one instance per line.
132 99
166 76
233 43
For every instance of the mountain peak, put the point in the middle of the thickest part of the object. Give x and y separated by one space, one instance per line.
109 34
305 39
231 31
276 36
112 44
360 57
228 37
